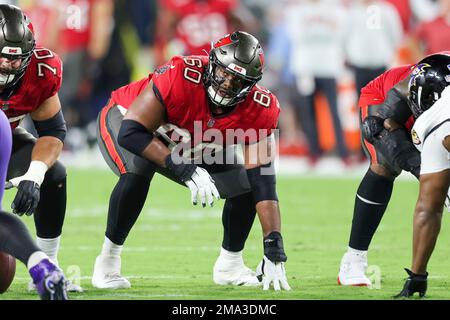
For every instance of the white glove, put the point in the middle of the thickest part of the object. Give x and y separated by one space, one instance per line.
202 185
36 173
272 272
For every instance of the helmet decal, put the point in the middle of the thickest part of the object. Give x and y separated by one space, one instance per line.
223 42
237 68
417 72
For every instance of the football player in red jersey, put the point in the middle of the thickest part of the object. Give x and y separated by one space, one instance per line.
189 95
188 27
30 77
386 122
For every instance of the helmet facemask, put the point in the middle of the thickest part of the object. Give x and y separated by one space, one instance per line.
10 76
226 87
420 99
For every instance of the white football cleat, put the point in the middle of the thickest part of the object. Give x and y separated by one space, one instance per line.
107 273
352 271
233 272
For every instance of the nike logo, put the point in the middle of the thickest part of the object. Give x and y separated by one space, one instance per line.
172 66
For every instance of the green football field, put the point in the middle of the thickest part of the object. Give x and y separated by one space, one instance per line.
172 248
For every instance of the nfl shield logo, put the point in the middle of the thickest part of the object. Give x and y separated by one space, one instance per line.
210 123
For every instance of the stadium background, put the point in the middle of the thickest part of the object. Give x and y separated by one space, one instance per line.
170 252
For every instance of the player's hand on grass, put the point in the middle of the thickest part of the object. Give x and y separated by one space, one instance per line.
414 283
269 272
202 187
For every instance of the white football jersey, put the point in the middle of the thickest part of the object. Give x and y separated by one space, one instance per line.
428 132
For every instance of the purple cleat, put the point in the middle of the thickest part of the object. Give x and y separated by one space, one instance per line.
49 281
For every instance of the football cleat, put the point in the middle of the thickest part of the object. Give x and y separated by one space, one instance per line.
414 283
70 286
107 273
49 281
234 272
352 270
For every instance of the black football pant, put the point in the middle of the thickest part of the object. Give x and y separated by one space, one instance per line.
50 213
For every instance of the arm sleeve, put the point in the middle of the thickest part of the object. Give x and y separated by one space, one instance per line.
434 156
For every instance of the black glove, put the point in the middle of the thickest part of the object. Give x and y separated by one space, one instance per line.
414 283
397 147
183 170
27 198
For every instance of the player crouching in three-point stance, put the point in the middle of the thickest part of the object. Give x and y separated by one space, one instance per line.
30 78
429 96
386 122
136 129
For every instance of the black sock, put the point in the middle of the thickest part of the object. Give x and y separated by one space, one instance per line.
125 205
51 211
237 219
371 201
15 239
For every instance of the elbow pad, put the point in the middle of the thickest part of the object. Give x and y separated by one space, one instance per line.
134 137
54 127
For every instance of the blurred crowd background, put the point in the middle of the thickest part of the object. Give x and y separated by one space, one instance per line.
319 54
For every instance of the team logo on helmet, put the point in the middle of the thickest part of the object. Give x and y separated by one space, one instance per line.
418 71
415 137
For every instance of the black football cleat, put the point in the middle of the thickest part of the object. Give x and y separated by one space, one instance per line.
414 283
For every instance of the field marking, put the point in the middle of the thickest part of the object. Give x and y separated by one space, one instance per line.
154 213
141 277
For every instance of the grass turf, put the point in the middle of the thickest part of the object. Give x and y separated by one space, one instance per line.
171 250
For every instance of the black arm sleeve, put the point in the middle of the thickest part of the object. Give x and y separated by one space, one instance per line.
134 137
55 127
397 146
263 183
395 106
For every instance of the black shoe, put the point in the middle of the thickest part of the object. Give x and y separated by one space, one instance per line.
414 283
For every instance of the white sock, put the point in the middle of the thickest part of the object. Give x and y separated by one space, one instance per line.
50 247
230 255
35 258
357 252
110 248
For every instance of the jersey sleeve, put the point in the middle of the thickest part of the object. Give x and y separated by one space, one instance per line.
267 119
168 83
49 72
434 156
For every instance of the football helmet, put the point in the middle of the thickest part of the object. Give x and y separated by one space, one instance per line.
16 43
427 81
235 65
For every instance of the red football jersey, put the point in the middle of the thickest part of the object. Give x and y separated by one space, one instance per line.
376 90
180 86
42 80
200 22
